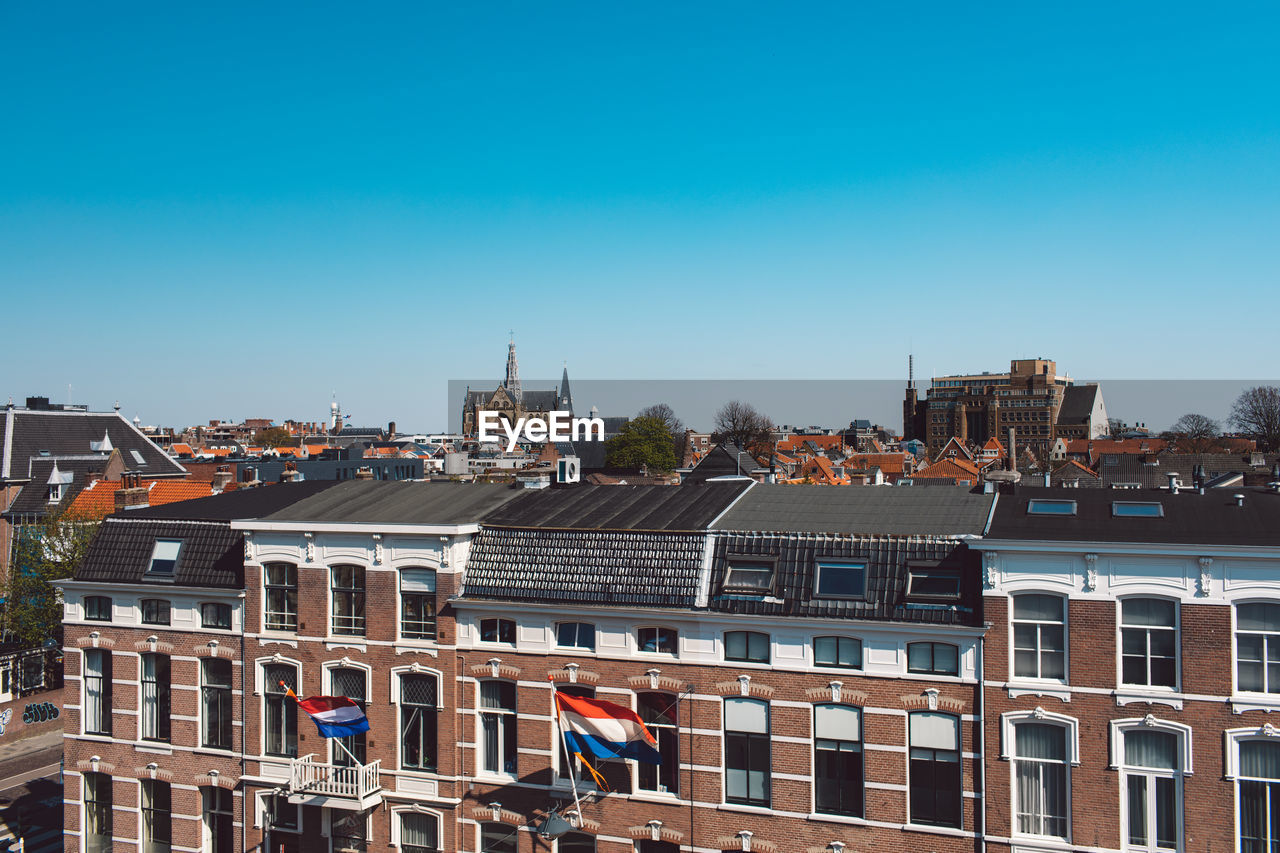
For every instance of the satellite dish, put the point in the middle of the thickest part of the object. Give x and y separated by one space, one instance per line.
554 827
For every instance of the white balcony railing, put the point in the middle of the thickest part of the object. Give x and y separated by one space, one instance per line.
310 779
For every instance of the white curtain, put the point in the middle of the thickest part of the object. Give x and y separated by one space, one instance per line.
935 731
1158 750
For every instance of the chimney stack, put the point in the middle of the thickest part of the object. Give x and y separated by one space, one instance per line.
1173 481
222 478
364 473
1013 450
132 494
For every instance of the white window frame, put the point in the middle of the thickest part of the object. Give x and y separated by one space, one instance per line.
400 593
296 591
260 690
396 812
1123 686
361 638
515 630
260 812
1066 639
1233 738
512 713
1182 733
1008 744
1252 695
396 674
595 636
639 645
330 690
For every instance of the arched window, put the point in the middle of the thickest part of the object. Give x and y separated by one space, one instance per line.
1258 647
350 681
1151 789
417 604
498 838
419 833
1039 637
418 704
576 842
280 713
1041 787
1258 795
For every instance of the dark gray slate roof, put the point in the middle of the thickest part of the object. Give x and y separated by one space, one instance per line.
901 510
887 559
402 502
1077 403
618 507
1152 470
722 461
25 433
1209 519
229 506
32 499
596 567
212 554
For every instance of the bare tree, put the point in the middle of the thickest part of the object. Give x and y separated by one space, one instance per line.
741 423
1256 413
1116 427
1195 433
667 415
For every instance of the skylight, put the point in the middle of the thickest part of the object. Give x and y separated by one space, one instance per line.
137 457
933 582
164 556
1051 507
1137 509
749 577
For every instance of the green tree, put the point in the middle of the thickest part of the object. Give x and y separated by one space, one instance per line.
272 437
44 553
641 442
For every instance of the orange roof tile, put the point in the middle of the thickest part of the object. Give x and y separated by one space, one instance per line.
98 498
949 469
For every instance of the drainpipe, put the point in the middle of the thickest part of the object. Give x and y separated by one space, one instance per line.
981 775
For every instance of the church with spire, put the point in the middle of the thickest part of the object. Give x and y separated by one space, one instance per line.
511 401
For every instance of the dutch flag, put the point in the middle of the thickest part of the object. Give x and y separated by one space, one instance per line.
604 729
334 716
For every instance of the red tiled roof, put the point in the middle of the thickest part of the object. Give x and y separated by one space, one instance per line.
794 443
949 469
1096 446
98 498
1075 464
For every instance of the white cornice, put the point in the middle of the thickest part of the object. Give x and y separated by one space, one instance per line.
1149 548
362 528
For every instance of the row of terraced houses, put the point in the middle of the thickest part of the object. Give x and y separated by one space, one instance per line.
935 669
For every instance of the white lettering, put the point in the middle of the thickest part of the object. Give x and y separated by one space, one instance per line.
513 433
488 424
559 426
586 426
535 429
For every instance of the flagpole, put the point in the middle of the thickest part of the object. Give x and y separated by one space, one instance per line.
336 740
573 776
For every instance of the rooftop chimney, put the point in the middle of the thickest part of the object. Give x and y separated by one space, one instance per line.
1239 499
221 478
364 473
1013 450
132 494
1173 481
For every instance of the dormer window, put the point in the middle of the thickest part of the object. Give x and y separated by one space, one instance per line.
750 577
931 582
55 493
164 557
841 580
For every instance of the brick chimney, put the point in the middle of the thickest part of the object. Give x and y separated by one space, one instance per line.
290 473
222 477
132 494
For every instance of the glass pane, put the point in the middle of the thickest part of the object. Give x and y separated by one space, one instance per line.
1151 749
1037 608
498 695
1147 611
1038 740
1166 813
837 722
946 658
1137 810
746 715
748 576
935 731
849 580
1258 616
1260 759
417 580
757 646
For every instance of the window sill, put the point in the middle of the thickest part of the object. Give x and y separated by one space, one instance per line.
495 778
1134 696
838 818
154 746
745 809
1055 689
1261 702
358 643
213 750
655 797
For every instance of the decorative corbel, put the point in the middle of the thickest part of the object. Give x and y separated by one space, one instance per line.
1090 572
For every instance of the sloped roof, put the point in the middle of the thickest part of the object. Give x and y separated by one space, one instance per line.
237 504
614 507
1077 403
398 502
98 498
212 555
886 558
599 567
25 433
948 469
941 511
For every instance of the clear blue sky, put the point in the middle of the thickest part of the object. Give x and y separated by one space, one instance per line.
231 210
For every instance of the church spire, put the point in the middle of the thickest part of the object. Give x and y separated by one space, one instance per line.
512 382
566 396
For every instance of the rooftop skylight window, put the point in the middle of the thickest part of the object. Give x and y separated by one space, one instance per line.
841 580
749 577
137 457
1051 507
932 582
164 557
1137 509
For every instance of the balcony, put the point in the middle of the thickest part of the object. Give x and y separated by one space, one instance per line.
314 784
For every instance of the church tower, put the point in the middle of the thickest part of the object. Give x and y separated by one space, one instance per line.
566 396
512 382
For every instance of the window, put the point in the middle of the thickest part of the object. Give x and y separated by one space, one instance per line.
931 582
1149 642
650 846
1258 648
576 842
498 727
837 760
418 604
55 492
1040 779
350 831
660 714
215 615
563 771
747 577
215 702
933 658
157 817
1039 637
748 646
498 631
281 823
1137 509
842 652
97 608
498 838
280 717
746 752
164 557
155 611
349 681
348 600
218 812
1258 793
842 580
156 708
419 833
97 813
418 704
935 768
1151 790
657 640
280 581
97 692
576 635
1047 507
